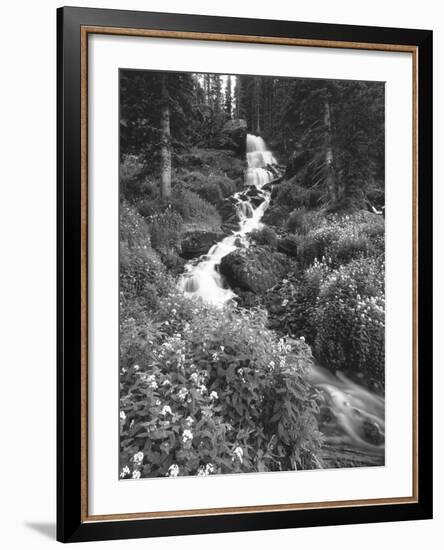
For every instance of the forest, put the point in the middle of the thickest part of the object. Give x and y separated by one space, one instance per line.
252 274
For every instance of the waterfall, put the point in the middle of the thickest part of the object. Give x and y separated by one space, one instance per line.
202 277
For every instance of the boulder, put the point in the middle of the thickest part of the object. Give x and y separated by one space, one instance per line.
254 269
235 132
227 208
197 243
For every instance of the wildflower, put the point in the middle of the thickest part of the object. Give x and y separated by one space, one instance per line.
166 410
202 389
215 356
173 470
213 396
151 380
209 468
187 436
125 472
238 454
183 392
222 348
189 421
122 415
136 474
138 458
194 377
302 339
136 367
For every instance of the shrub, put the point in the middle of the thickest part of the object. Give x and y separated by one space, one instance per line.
195 211
292 303
214 391
302 220
350 320
264 236
165 229
340 239
212 187
291 195
142 274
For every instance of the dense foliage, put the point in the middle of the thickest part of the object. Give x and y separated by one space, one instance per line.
207 390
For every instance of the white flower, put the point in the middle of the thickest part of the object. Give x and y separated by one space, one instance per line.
194 377
187 436
210 469
125 472
151 379
213 396
215 356
201 471
173 470
136 367
138 458
183 392
302 339
166 410
136 474
239 454
222 348
189 421
122 415
202 389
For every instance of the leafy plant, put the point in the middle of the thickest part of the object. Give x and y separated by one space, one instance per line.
215 392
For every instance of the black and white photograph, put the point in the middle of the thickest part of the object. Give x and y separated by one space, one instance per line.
252 333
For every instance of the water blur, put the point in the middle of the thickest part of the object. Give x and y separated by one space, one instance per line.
351 416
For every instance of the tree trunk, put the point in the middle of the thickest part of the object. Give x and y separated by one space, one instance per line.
165 188
330 178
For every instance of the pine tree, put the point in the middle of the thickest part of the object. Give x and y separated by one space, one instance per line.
165 187
228 98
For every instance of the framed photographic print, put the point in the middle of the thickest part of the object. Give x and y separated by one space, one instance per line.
244 274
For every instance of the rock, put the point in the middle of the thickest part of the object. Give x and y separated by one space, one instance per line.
254 196
235 132
197 243
231 224
227 209
254 269
373 433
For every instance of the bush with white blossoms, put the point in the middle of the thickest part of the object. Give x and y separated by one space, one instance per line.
216 392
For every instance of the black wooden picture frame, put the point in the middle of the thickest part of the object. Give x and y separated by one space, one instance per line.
73 522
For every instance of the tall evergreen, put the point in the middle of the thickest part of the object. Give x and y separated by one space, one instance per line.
228 98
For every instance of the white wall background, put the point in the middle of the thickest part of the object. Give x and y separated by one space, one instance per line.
27 279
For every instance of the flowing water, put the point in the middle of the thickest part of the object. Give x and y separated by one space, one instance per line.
202 277
352 418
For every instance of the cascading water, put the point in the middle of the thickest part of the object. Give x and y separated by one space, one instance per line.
202 278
